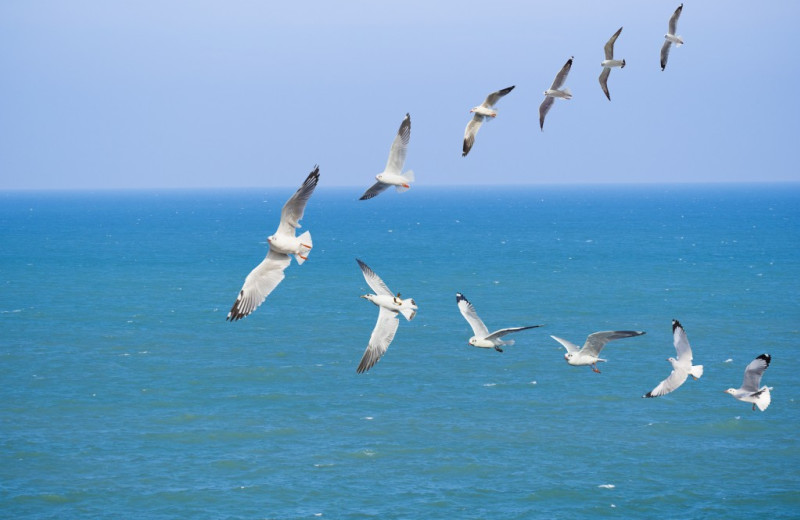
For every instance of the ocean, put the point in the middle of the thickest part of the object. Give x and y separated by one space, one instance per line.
126 394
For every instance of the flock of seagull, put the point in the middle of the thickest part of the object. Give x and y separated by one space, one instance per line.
285 243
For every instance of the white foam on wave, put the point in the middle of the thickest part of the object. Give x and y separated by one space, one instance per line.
607 486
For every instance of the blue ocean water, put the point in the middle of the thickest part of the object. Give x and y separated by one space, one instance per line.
126 394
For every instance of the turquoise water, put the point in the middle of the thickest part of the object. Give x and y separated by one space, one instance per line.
126 394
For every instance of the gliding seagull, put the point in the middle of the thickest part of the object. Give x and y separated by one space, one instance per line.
481 112
555 91
749 392
588 355
671 37
682 367
392 174
610 62
482 338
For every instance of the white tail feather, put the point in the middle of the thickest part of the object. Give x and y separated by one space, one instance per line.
401 189
409 175
305 248
696 371
409 313
567 93
763 400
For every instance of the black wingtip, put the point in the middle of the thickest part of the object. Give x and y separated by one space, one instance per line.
648 395
676 324
766 358
460 297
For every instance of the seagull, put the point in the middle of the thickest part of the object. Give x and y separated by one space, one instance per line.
671 37
682 367
482 338
389 305
749 392
481 112
588 355
555 91
268 274
392 174
610 62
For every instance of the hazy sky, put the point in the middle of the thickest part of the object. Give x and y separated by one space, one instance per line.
233 93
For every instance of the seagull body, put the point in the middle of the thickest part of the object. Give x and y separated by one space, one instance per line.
589 354
482 338
682 367
392 174
555 91
269 273
386 327
749 392
671 37
480 113
610 62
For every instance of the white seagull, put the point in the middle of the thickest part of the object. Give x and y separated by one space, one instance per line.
610 62
682 367
481 112
555 91
482 338
588 355
268 274
671 37
749 392
392 174
389 305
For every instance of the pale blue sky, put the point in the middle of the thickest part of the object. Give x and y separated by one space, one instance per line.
168 94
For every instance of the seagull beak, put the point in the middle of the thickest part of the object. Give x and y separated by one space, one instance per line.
363 296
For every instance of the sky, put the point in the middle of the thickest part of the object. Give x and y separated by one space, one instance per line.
155 94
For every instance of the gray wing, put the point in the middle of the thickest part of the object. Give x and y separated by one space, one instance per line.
397 154
570 346
382 336
470 132
294 208
665 53
544 108
754 371
673 20
609 47
259 283
562 75
675 379
494 97
469 313
595 342
604 81
374 190
502 332
373 280
681 342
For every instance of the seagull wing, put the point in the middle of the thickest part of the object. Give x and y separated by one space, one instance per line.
374 190
604 81
595 342
681 342
294 208
561 77
494 97
544 108
382 336
754 371
502 332
373 280
609 47
397 153
469 133
570 346
259 283
665 53
468 311
673 20
675 379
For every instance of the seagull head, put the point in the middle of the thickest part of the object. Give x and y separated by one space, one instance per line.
730 391
270 238
568 356
379 177
472 341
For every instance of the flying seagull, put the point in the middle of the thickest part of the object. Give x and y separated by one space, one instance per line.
482 338
392 174
610 62
389 305
671 37
682 367
555 91
268 274
588 355
749 392
481 112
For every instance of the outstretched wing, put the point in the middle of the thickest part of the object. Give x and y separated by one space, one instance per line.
673 20
665 53
259 283
502 332
397 153
604 81
494 97
681 342
294 208
561 77
468 311
382 336
469 133
570 346
754 371
609 47
676 378
544 108
595 342
373 280
374 190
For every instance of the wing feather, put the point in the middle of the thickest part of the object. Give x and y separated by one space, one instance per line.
673 20
374 190
665 53
382 336
681 342
561 77
676 378
570 346
502 332
544 108
609 46
397 153
470 132
596 341
259 284
469 313
755 369
494 97
293 210
604 81
373 280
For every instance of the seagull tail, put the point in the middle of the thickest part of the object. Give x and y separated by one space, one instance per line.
567 93
623 64
696 371
409 175
305 247
763 399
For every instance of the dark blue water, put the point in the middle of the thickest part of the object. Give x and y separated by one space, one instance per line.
126 394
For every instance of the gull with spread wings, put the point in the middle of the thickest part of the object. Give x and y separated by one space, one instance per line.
749 392
682 367
555 91
589 354
392 174
610 62
481 112
481 337
671 37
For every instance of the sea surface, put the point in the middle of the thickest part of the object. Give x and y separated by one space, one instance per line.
124 392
